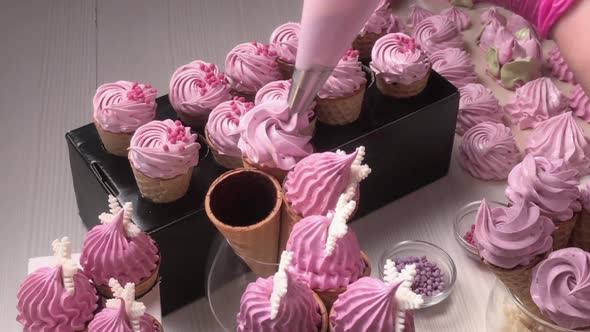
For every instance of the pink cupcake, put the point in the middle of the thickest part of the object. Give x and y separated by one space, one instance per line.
382 21
401 67
455 65
249 66
437 33
195 89
119 109
285 39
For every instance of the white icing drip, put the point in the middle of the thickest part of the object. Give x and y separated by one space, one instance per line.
338 228
133 309
62 249
405 297
280 283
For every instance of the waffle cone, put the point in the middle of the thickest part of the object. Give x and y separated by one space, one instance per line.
248 96
310 129
329 296
581 234
518 281
114 143
162 190
288 220
195 121
563 233
141 288
323 312
399 90
277 173
229 162
364 44
258 243
286 69
340 111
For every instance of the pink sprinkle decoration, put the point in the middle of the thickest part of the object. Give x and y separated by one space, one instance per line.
169 130
185 139
221 76
202 66
254 43
281 86
212 66
173 140
181 148
272 53
165 147
203 91
148 86
214 84
178 123
135 84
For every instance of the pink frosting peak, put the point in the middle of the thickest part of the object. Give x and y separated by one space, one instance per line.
477 104
437 33
397 59
44 304
560 137
117 320
164 149
580 103
455 65
492 32
492 14
417 15
111 251
546 183
122 107
249 66
298 310
381 21
458 16
315 184
369 305
488 151
513 236
270 135
278 90
561 288
196 88
285 39
311 263
559 67
347 78
223 124
536 101
516 23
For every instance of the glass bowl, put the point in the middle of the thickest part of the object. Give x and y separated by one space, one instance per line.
505 313
464 218
434 254
228 278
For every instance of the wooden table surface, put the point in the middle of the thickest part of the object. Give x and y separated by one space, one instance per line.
53 55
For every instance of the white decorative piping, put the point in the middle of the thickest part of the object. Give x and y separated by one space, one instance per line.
133 309
405 297
280 284
131 229
359 171
338 228
114 205
62 250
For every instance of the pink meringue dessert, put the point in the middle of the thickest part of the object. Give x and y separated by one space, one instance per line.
285 39
382 21
437 33
455 65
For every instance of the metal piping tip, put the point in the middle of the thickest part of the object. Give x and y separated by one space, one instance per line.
305 86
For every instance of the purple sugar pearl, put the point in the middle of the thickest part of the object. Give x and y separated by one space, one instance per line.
470 236
429 280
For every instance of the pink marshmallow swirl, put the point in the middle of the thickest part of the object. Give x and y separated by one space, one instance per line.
397 59
196 88
580 103
122 107
513 236
559 67
492 14
381 21
437 33
346 78
455 65
108 252
249 66
270 136
117 320
488 151
285 39
536 101
477 104
561 138
45 305
164 149
561 288
368 305
308 243
278 90
458 16
546 183
223 124
315 184
298 310
417 15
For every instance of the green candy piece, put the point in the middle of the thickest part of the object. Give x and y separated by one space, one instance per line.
462 3
493 67
519 72
524 33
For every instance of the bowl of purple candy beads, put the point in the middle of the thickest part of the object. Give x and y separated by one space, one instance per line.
464 226
435 270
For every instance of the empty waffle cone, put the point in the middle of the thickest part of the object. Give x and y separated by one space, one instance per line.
399 90
286 69
329 296
581 234
563 233
245 205
141 288
229 162
340 111
162 190
277 173
114 143
364 44
323 312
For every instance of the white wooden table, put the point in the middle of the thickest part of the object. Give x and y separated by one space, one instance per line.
53 55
